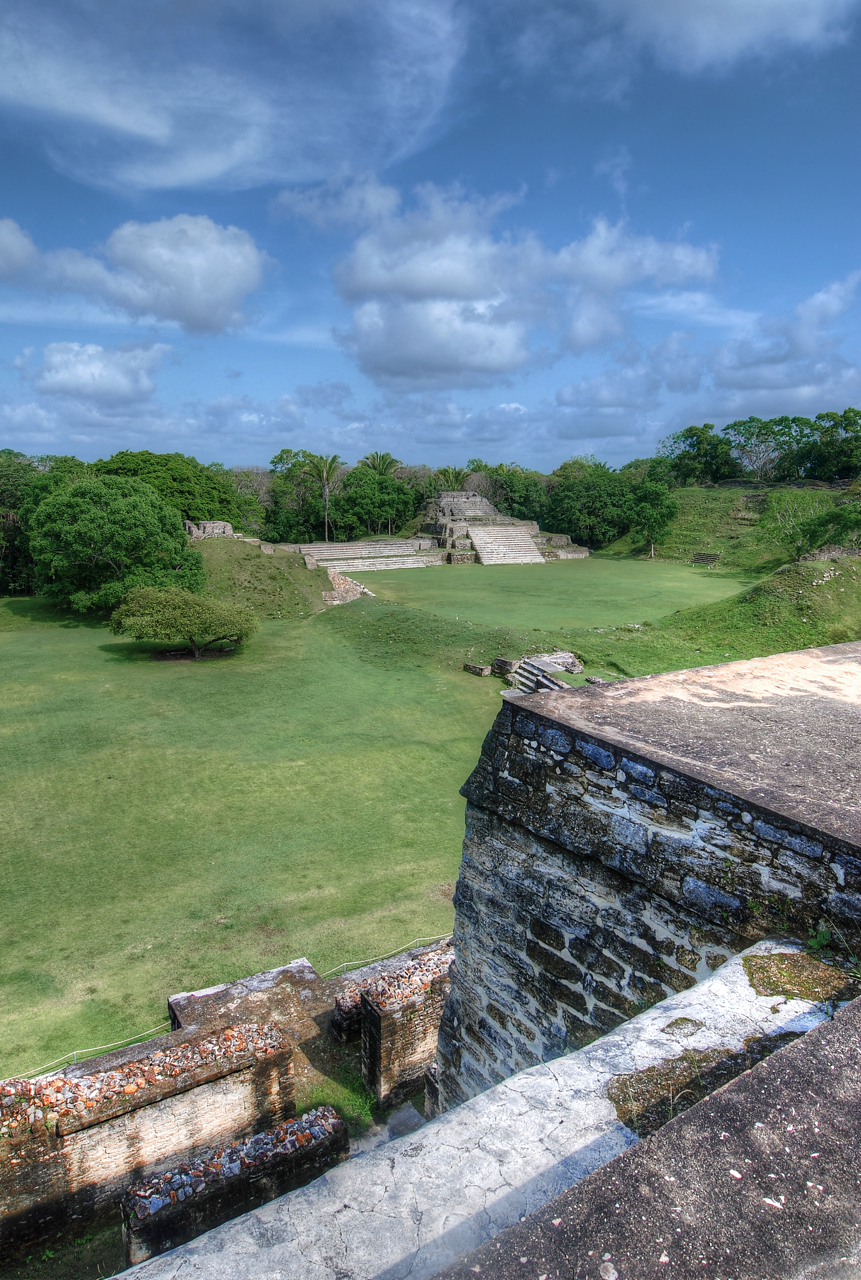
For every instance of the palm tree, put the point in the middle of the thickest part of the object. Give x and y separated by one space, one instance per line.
452 477
383 463
324 470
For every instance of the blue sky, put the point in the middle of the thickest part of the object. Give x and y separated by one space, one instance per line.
448 229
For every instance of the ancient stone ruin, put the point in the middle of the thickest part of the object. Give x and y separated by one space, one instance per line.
624 840
459 528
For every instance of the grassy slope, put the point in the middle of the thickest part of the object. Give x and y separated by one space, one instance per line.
717 520
277 586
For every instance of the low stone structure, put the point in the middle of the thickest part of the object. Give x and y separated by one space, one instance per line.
208 529
421 1203
624 840
344 589
71 1141
171 1208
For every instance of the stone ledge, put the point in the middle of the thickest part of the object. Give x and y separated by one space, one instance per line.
423 1202
761 1179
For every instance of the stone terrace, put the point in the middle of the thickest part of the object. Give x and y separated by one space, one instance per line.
624 839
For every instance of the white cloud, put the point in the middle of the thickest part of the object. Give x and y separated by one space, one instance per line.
442 300
103 375
690 35
184 269
232 95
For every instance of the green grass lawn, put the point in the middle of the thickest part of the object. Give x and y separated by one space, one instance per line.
171 825
597 592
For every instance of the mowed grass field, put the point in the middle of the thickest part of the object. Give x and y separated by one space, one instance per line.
559 594
167 826
171 825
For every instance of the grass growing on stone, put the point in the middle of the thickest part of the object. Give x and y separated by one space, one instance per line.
722 521
276 586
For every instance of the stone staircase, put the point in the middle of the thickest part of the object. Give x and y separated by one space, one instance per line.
399 553
504 544
532 674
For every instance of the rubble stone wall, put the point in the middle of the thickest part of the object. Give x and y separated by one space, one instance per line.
399 1039
596 882
76 1166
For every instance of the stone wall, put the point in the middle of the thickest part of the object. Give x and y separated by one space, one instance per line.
399 1038
76 1138
597 879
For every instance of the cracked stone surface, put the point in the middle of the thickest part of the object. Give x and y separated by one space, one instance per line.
414 1206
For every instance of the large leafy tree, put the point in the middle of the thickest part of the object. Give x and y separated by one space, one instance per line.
370 501
96 538
17 473
831 448
652 512
589 502
294 510
697 455
452 478
199 622
196 491
513 490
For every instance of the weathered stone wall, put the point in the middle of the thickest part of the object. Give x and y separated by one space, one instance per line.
399 1038
596 881
73 1162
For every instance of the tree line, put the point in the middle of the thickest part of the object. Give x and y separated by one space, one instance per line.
87 533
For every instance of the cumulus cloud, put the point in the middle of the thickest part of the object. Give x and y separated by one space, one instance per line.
103 375
441 299
236 95
184 269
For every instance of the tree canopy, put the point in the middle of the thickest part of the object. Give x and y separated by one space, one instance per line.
94 539
199 622
196 491
589 502
372 502
652 512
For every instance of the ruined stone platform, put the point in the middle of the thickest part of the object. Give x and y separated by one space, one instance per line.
783 731
421 1203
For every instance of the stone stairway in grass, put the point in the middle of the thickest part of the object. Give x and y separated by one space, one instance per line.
532 674
504 544
346 557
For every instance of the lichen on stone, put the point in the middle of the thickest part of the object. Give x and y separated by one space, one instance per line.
798 976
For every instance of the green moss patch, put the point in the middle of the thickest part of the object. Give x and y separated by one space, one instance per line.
798 976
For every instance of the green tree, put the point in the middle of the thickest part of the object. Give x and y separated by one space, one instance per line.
369 500
831 449
294 509
96 538
451 478
383 463
653 511
17 473
513 490
324 470
176 616
589 502
197 492
757 445
697 455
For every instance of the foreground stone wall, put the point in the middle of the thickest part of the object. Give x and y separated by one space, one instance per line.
422 1202
119 1117
597 878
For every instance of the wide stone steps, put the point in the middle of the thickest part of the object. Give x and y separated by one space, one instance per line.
530 676
325 552
495 544
366 564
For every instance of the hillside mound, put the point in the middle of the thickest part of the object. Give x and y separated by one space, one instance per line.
275 586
